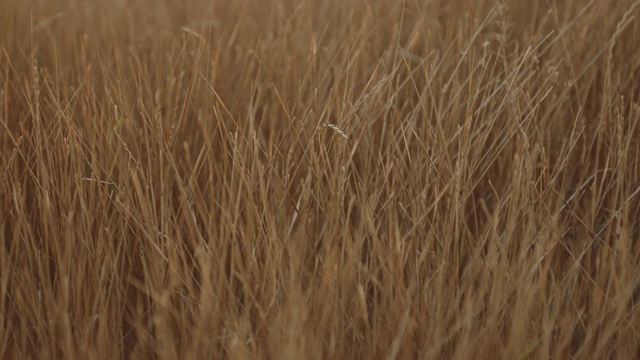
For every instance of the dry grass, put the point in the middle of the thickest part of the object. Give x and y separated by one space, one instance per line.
320 179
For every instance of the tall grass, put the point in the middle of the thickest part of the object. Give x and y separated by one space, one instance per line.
320 179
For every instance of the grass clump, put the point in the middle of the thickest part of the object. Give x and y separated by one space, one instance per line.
320 179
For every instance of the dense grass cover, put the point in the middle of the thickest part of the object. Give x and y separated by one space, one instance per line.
320 179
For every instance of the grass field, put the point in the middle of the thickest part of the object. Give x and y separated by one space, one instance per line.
335 179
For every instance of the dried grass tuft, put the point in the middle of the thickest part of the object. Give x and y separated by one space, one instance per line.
166 194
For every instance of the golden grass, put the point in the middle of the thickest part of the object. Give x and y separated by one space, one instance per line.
320 179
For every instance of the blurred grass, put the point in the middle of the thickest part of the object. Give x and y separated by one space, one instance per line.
176 183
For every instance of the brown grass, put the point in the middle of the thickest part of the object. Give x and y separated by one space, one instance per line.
320 179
